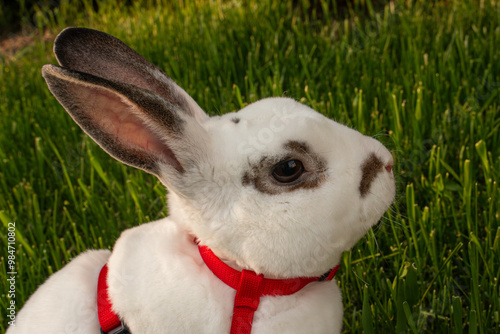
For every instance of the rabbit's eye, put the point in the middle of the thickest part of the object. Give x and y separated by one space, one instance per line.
288 171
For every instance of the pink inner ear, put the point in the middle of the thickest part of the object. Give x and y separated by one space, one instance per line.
117 118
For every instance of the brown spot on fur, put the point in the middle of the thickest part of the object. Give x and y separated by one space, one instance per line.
235 120
370 168
297 146
246 179
304 148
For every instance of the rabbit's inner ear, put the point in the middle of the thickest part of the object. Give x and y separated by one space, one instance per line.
115 116
132 125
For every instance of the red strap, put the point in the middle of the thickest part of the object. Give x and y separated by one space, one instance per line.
332 273
107 318
249 287
246 302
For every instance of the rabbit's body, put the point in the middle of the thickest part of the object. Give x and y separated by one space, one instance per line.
160 284
276 188
66 302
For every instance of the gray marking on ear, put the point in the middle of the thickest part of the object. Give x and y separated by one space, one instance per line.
105 56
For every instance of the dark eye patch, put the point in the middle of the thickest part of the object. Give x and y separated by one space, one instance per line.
299 168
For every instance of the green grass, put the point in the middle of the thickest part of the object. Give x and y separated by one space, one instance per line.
421 76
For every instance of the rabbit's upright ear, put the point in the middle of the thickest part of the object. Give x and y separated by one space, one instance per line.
130 107
97 53
133 124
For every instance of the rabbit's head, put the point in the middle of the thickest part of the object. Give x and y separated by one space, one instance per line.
276 187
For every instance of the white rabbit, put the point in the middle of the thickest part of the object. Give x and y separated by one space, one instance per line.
275 188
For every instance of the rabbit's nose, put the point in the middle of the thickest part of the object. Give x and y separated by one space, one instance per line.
389 163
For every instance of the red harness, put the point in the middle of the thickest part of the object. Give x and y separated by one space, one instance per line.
248 285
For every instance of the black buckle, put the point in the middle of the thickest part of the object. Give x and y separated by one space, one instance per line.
123 329
323 277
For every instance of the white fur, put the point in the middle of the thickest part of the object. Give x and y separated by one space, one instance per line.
181 295
306 230
157 280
